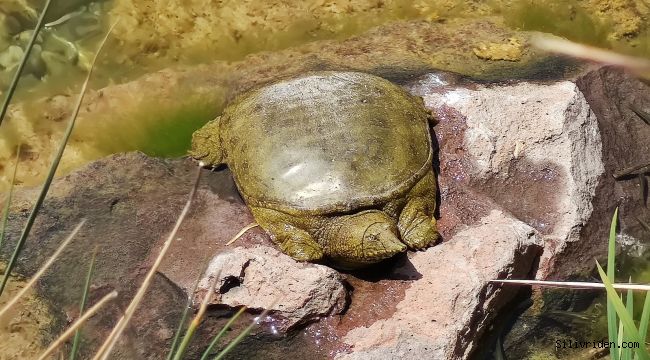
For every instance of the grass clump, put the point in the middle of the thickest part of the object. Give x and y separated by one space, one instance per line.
621 327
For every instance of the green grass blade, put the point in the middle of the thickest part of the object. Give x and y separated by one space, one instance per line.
198 318
611 248
5 213
75 325
82 305
629 306
630 328
645 317
619 339
51 172
241 336
42 269
179 330
28 49
612 329
186 340
221 333
498 351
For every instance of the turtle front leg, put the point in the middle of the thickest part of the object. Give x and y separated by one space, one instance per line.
416 226
416 223
292 240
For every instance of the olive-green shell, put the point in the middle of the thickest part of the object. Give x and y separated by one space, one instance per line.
325 142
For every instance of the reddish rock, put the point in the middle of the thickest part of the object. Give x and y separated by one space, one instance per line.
534 149
447 306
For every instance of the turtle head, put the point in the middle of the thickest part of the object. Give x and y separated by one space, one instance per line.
206 145
362 239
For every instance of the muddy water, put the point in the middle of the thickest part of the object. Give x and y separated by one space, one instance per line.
152 35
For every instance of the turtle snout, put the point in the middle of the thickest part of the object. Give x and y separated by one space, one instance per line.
206 145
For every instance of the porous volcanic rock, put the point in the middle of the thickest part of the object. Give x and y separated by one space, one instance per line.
263 278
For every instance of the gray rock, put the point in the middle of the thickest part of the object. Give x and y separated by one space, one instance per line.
445 311
263 278
131 202
535 149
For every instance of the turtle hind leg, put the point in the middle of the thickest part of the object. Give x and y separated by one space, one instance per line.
292 240
416 224
300 245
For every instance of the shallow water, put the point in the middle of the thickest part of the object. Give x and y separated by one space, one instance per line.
563 315
151 36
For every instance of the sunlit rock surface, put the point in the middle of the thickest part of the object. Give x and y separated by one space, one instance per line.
263 278
449 302
535 149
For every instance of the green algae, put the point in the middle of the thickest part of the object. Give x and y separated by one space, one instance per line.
157 129
172 134
561 18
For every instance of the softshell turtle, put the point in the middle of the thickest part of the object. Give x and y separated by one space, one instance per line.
334 165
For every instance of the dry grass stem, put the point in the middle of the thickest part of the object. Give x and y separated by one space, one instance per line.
186 309
7 207
573 284
52 171
242 232
196 321
637 65
221 333
639 169
231 345
71 330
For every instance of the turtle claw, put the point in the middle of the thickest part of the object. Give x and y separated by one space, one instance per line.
417 229
421 234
